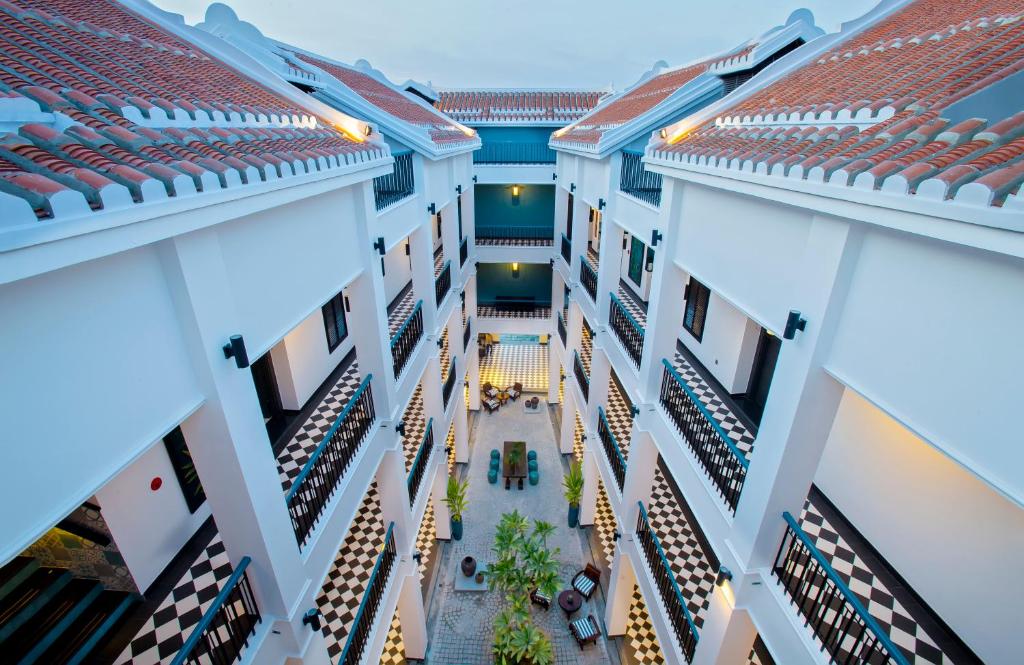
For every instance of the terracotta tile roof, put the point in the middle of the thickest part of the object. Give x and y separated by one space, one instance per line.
144 115
867 113
386 98
517 106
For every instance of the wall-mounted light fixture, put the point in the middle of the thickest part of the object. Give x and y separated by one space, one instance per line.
616 535
440 342
635 411
474 178
572 187
649 266
408 250
554 176
432 209
312 618
235 348
655 237
515 195
551 263
663 133
378 245
515 270
417 556
724 575
458 189
793 323
601 203
400 427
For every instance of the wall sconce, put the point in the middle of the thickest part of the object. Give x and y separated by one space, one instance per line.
724 575
551 263
378 245
515 195
649 267
616 535
235 348
458 189
515 270
417 556
407 249
572 187
400 427
663 133
793 323
601 204
440 343
655 237
432 209
635 411
474 178
312 618
554 176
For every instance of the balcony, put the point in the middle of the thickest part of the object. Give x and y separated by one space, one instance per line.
514 152
566 250
627 328
513 307
421 462
449 385
319 478
467 333
588 278
395 186
637 181
463 251
515 236
580 372
611 448
405 339
443 283
561 330
369 607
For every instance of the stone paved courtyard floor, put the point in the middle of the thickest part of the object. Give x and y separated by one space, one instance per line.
460 623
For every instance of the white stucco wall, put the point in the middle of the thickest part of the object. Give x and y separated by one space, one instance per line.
397 271
302 361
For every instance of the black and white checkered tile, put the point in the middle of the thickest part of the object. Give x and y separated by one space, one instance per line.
905 632
449 444
728 421
400 311
346 582
586 349
593 258
438 260
694 570
164 633
620 417
640 636
510 363
293 457
630 302
605 525
415 426
426 539
577 444
759 654
394 647
491 312
515 242
445 356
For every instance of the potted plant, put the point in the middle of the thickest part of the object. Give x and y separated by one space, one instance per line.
572 483
455 498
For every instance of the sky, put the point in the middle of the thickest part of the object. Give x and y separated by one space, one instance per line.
520 43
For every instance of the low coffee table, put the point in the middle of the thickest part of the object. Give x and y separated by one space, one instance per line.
570 601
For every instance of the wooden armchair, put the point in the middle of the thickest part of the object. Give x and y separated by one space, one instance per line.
515 391
585 630
538 598
586 581
489 390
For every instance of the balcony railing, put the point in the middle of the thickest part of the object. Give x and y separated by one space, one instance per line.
315 484
638 181
627 329
420 463
463 251
397 185
713 448
514 152
366 616
841 623
405 340
222 634
467 333
443 283
566 250
588 278
665 581
449 385
611 448
581 375
561 329
532 235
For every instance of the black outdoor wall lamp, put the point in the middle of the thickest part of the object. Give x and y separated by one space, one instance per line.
474 178
235 348
554 176
417 556
635 411
724 575
572 187
616 535
400 427
378 245
655 237
440 343
458 189
312 618
601 203
794 322
432 209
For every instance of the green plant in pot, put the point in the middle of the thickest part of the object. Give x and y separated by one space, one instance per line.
572 484
455 498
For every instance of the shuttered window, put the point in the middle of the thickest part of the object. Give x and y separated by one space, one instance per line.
334 321
697 296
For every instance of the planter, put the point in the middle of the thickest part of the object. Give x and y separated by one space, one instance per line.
457 529
574 517
468 566
479 578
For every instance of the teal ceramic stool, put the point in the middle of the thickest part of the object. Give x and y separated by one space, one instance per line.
531 455
495 465
492 475
534 478
495 454
532 465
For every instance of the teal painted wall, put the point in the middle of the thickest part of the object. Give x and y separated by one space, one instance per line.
536 206
520 134
493 279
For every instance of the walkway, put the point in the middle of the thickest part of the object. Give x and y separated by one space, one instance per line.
400 309
460 622
509 363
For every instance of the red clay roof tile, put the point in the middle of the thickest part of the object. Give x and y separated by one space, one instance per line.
517 106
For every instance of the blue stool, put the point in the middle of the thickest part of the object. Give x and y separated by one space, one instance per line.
534 478
492 475
495 464
532 465
495 454
531 455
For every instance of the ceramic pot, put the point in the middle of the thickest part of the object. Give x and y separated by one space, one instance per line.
574 516
468 566
457 529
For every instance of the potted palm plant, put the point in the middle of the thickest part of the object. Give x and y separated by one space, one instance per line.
572 483
455 498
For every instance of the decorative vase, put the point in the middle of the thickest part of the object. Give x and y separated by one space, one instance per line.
456 529
574 516
468 566
479 578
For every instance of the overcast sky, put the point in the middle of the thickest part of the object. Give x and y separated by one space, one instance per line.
535 43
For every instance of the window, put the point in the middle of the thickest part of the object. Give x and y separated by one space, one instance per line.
697 296
568 219
458 208
334 320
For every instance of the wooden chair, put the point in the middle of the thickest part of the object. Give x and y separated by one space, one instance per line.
489 390
538 598
490 403
515 391
586 581
586 630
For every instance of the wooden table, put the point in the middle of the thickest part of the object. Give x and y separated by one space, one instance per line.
570 601
518 470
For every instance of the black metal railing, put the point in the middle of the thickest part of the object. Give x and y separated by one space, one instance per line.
514 152
668 589
581 375
611 448
222 634
315 484
627 329
420 462
566 250
399 184
495 234
467 331
716 452
449 385
443 283
463 251
561 329
588 278
637 181
362 626
404 342
839 620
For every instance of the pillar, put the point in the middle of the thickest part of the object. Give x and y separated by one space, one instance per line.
640 468
554 369
600 375
727 634
460 417
567 432
421 253
433 400
450 240
372 340
591 477
620 594
608 271
394 496
472 356
411 614
442 518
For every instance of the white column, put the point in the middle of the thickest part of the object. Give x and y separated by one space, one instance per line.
450 240
640 468
620 594
412 615
394 496
473 356
727 634
600 375
567 432
433 401
581 211
469 220
442 518
591 476
608 273
461 419
421 253
554 368
372 341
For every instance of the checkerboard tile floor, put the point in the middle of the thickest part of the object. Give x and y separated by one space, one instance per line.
444 357
640 636
346 582
438 261
577 445
605 525
507 364
759 654
415 426
426 540
515 242
586 348
400 309
694 570
293 457
905 631
632 305
620 417
163 634
491 312
449 444
394 647
731 425
593 258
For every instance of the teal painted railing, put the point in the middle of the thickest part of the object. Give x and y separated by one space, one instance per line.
404 341
362 626
419 463
588 278
627 329
514 152
612 450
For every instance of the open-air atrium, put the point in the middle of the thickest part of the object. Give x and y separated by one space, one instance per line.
301 365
